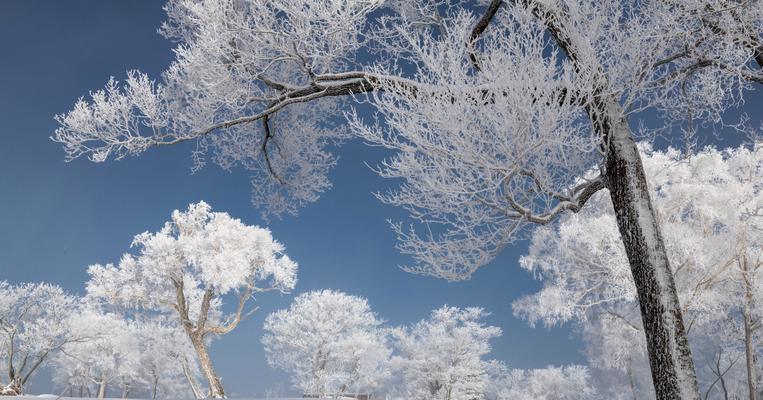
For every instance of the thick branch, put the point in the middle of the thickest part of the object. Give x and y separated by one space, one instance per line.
20 369
623 319
581 194
204 312
302 95
182 305
744 73
222 330
268 136
480 27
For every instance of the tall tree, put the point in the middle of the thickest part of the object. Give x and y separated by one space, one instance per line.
33 328
187 269
708 205
442 357
331 343
494 116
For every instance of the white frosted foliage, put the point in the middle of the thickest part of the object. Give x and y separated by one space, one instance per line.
33 328
709 207
443 356
330 343
494 120
201 249
188 269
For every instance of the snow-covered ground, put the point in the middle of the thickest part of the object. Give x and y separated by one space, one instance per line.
52 396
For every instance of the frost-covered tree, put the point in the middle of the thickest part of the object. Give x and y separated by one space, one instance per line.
189 267
149 357
106 356
330 343
442 357
33 327
495 113
550 383
168 366
709 206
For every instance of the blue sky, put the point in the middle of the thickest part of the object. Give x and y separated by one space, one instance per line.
58 218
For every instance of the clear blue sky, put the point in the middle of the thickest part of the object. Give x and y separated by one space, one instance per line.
57 218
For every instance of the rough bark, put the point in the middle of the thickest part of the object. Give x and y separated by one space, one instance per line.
667 345
196 335
215 387
11 389
749 329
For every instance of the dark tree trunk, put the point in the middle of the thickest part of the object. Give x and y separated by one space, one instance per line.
667 345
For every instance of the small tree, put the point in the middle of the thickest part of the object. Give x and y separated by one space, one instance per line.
188 267
442 357
33 327
330 342
108 355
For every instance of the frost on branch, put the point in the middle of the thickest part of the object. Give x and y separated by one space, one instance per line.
189 268
260 85
108 356
709 206
492 129
202 249
33 328
236 68
116 118
442 357
516 157
145 356
331 344
483 153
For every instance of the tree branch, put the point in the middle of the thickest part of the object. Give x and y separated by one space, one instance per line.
204 311
238 317
34 367
480 27
265 140
580 195
182 305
